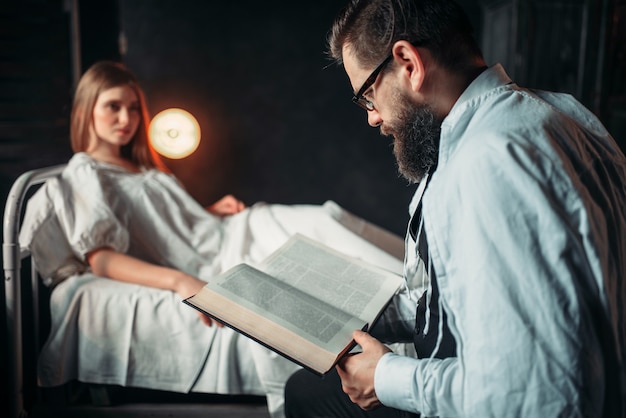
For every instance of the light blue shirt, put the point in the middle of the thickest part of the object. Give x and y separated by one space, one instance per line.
526 224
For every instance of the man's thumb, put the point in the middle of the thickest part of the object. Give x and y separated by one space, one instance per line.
362 338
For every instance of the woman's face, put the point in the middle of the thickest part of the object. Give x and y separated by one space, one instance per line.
116 116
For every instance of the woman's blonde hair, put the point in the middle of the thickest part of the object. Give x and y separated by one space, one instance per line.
102 76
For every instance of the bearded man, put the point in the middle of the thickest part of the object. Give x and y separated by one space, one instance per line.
519 220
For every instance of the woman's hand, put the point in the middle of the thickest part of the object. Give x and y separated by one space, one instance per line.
187 286
228 205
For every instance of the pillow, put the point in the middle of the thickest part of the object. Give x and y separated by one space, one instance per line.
42 235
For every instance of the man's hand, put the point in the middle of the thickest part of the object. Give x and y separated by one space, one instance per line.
228 205
357 371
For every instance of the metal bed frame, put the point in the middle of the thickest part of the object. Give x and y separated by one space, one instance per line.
12 258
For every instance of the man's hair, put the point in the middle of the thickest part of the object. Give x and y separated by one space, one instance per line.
371 27
102 76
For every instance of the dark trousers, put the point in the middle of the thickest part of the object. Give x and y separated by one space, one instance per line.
310 396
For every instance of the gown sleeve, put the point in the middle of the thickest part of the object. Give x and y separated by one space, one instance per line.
89 211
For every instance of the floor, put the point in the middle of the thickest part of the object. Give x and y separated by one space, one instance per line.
153 410
105 402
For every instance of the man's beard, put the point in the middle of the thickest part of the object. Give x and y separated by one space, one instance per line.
416 131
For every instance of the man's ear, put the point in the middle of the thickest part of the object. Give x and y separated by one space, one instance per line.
411 61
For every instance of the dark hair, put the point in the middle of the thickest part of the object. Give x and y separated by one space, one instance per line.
371 27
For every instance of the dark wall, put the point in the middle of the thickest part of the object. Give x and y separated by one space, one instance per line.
276 117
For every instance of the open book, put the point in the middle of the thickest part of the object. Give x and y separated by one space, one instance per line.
304 301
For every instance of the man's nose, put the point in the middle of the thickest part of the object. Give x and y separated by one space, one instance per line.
373 118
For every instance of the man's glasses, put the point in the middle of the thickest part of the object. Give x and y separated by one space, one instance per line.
358 97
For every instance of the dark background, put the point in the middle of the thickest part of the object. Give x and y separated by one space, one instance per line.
276 118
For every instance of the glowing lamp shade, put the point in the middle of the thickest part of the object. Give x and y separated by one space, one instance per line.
174 133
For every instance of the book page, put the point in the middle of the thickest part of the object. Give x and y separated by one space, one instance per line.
304 301
352 285
297 311
260 326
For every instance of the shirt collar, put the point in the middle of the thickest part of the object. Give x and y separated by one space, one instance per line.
492 78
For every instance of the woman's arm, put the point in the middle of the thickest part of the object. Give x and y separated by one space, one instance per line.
107 262
115 265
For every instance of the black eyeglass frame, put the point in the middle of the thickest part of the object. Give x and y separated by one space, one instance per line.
358 98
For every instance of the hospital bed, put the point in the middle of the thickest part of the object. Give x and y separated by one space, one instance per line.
27 313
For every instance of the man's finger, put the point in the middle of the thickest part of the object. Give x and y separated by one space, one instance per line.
362 338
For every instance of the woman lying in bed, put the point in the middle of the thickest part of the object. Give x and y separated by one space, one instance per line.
117 213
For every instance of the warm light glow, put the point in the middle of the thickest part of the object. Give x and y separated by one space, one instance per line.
174 133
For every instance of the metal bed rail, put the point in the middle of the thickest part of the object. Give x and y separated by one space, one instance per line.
12 258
